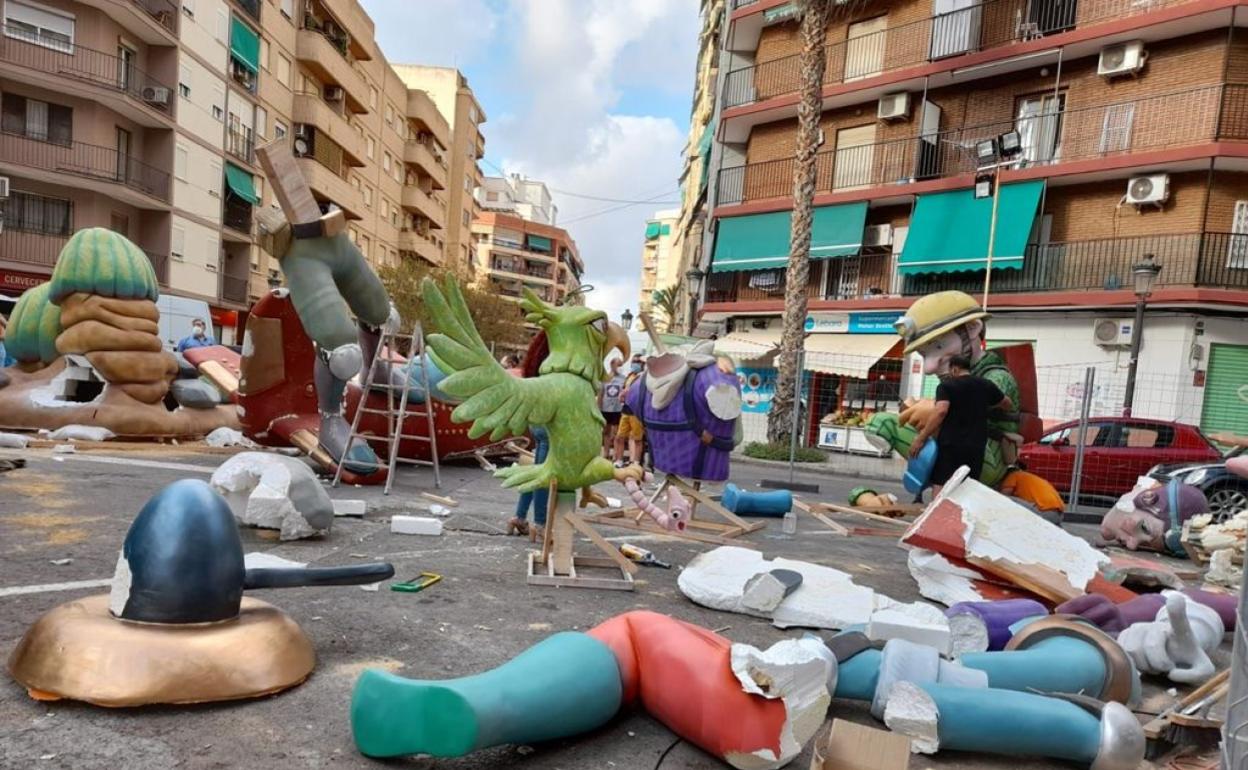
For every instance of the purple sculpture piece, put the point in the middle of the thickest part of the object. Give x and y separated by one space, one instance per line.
689 405
995 617
1113 618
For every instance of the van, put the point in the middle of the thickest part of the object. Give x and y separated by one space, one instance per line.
176 316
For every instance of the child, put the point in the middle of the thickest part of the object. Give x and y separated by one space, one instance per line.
630 428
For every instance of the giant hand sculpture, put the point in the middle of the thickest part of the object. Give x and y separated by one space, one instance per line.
1178 642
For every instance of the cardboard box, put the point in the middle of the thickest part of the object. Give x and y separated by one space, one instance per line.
850 746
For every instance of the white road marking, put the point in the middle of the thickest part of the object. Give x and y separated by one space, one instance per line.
46 587
135 461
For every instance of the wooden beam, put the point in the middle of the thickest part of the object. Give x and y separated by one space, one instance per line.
289 186
801 505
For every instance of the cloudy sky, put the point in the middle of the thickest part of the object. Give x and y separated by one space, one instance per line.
590 96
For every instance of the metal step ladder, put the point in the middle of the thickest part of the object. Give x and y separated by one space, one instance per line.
397 418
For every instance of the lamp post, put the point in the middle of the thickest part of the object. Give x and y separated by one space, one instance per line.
626 319
1145 274
990 156
693 277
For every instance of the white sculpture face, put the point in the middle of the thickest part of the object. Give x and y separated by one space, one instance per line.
966 340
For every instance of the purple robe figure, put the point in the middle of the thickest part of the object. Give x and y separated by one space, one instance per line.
690 408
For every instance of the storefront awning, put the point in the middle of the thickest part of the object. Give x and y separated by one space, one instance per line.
836 231
949 230
749 348
245 44
761 241
851 355
241 183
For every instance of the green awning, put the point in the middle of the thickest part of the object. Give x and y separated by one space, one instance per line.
538 243
704 152
753 242
241 183
836 231
761 241
652 230
949 230
245 44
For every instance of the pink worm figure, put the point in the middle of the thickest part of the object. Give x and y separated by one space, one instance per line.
678 507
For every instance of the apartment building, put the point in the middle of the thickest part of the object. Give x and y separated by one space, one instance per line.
515 194
512 253
449 90
1130 119
144 117
660 263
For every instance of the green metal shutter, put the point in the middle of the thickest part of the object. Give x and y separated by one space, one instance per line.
245 44
1226 390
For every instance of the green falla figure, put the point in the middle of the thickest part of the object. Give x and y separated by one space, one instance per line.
563 398
939 327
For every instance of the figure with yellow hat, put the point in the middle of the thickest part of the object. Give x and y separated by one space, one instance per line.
939 327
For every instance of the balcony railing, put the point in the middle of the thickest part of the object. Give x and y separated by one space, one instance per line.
240 141
237 214
979 27
71 60
1214 260
85 160
164 12
233 289
252 7
31 247
338 39
1082 133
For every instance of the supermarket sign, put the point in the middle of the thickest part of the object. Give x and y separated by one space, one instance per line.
852 323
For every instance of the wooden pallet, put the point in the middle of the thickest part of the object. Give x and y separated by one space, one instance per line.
556 564
702 530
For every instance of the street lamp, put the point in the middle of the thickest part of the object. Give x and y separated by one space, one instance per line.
693 277
990 156
626 319
1145 274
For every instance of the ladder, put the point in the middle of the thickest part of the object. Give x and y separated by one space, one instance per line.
397 418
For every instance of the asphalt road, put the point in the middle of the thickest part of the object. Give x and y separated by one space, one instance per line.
479 616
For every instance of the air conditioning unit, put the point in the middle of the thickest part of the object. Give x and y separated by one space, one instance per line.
155 95
1151 189
1122 59
878 235
305 140
1112 332
333 93
894 106
4 187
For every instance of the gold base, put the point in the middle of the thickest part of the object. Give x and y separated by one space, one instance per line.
80 651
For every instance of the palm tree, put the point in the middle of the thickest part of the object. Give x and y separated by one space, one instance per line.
664 300
815 15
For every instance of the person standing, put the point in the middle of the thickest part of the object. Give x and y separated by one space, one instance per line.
630 428
198 338
960 423
610 402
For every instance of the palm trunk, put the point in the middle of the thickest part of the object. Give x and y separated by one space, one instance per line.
814 59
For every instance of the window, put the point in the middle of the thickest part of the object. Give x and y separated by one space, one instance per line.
279 129
1141 436
283 70
125 67
217 112
33 213
288 8
40 25
177 243
262 122
1039 126
370 147
214 179
864 48
184 81
467 217
188 7
472 114
180 157
364 244
222 32
1237 254
468 184
389 113
218 101
264 54
372 98
385 160
368 197
1116 127
491 196
37 120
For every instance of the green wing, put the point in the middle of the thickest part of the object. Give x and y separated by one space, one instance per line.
495 402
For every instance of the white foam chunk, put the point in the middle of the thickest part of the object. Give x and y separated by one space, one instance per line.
415 525
796 672
119 591
912 712
918 623
940 580
263 560
81 433
13 441
349 507
967 633
274 492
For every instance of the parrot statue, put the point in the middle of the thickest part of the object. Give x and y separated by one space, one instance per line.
563 398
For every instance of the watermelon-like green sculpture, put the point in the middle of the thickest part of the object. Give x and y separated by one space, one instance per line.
97 261
33 327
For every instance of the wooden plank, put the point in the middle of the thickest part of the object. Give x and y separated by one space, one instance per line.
440 499
218 375
695 492
802 505
578 523
311 446
289 186
1037 578
654 530
863 514
1154 729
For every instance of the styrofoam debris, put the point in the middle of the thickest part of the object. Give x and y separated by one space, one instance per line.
940 580
918 623
13 441
439 510
967 633
224 436
81 433
371 586
274 492
763 592
61 562
614 502
349 507
264 560
415 525
795 671
913 713
63 449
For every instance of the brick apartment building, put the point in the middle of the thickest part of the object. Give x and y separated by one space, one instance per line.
1132 116
144 115
660 262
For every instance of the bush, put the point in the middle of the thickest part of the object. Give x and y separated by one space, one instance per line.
763 451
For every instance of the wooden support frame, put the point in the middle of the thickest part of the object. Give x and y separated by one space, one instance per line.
556 564
702 530
292 191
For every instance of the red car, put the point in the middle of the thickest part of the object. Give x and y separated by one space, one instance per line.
1117 451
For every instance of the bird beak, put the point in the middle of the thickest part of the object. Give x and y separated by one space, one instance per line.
617 339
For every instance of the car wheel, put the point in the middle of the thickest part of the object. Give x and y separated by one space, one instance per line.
1226 501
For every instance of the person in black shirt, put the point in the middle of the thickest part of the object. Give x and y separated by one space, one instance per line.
960 424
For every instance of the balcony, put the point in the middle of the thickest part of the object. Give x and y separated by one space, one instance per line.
424 113
1209 260
358 26
75 69
521 267
421 155
236 214
250 7
311 109
152 21
1050 141
101 169
31 248
328 186
240 142
415 199
980 27
328 60
422 246
232 288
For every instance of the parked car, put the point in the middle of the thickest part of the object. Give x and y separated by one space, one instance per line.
1117 451
1226 492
